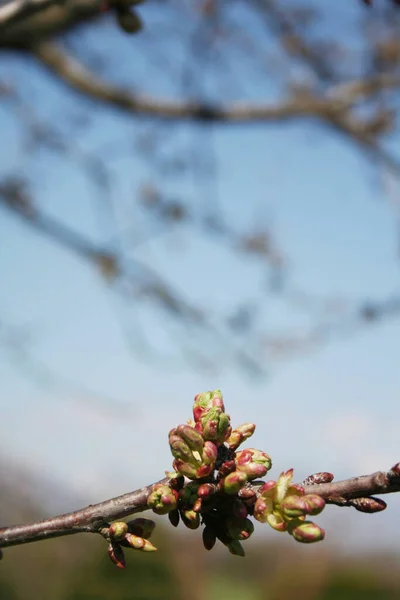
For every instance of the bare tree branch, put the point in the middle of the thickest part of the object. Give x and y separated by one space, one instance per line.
305 104
95 517
24 22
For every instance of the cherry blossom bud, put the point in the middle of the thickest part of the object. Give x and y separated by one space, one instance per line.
215 425
118 530
294 506
233 482
318 478
190 518
306 532
263 507
240 434
253 462
138 543
368 505
162 499
206 490
315 504
203 402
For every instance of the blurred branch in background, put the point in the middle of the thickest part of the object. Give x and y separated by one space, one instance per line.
306 72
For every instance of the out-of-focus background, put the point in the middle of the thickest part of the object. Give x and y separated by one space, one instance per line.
212 202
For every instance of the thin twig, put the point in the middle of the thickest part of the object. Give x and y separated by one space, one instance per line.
338 98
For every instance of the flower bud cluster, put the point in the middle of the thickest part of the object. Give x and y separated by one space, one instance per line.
221 494
133 534
285 506
218 495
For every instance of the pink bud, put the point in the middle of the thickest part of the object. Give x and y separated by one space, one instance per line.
307 532
138 543
368 505
190 518
262 508
318 478
206 490
233 482
315 504
118 530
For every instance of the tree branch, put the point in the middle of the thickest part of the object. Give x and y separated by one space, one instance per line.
86 520
24 22
337 99
96 516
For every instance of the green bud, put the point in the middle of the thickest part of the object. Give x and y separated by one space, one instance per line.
203 402
315 504
275 521
282 485
188 495
294 507
210 453
190 518
215 425
118 530
185 469
192 437
253 462
233 482
182 449
138 543
263 508
240 434
162 499
306 532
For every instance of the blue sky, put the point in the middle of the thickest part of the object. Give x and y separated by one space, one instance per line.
334 409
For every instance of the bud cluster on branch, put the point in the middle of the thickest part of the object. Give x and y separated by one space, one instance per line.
218 486
222 492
